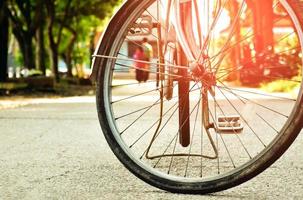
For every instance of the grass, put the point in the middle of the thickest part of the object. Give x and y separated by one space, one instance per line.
13 86
40 87
284 86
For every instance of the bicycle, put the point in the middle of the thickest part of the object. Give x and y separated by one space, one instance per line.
194 128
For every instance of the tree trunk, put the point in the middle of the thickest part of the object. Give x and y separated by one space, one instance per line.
29 61
69 53
69 64
50 7
53 47
24 26
40 58
53 52
26 47
235 53
268 23
4 24
263 25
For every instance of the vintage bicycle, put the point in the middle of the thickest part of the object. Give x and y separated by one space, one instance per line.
194 126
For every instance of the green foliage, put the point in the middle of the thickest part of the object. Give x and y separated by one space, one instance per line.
34 72
284 86
13 86
83 19
18 58
294 60
78 19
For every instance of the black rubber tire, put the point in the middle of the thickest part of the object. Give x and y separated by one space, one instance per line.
251 169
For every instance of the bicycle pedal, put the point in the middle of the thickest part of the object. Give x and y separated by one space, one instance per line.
229 124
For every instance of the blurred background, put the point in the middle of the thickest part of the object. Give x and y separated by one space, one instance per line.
46 45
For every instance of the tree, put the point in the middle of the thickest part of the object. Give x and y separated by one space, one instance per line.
235 53
67 54
55 39
63 19
25 16
35 23
40 44
4 26
263 17
79 33
90 15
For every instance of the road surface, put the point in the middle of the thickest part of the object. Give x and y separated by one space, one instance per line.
54 149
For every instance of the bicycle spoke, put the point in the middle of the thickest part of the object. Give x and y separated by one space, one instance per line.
139 117
225 146
231 122
154 124
170 117
142 61
172 157
258 93
201 160
240 97
193 133
249 126
267 123
182 125
225 115
213 25
130 84
251 101
228 49
136 95
238 68
233 28
147 107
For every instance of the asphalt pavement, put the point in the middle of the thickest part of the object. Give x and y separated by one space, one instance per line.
54 149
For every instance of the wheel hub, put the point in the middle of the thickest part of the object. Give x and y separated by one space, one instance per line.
200 73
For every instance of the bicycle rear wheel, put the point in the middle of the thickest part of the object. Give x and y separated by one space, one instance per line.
236 131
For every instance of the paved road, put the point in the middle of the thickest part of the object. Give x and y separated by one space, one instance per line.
55 150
